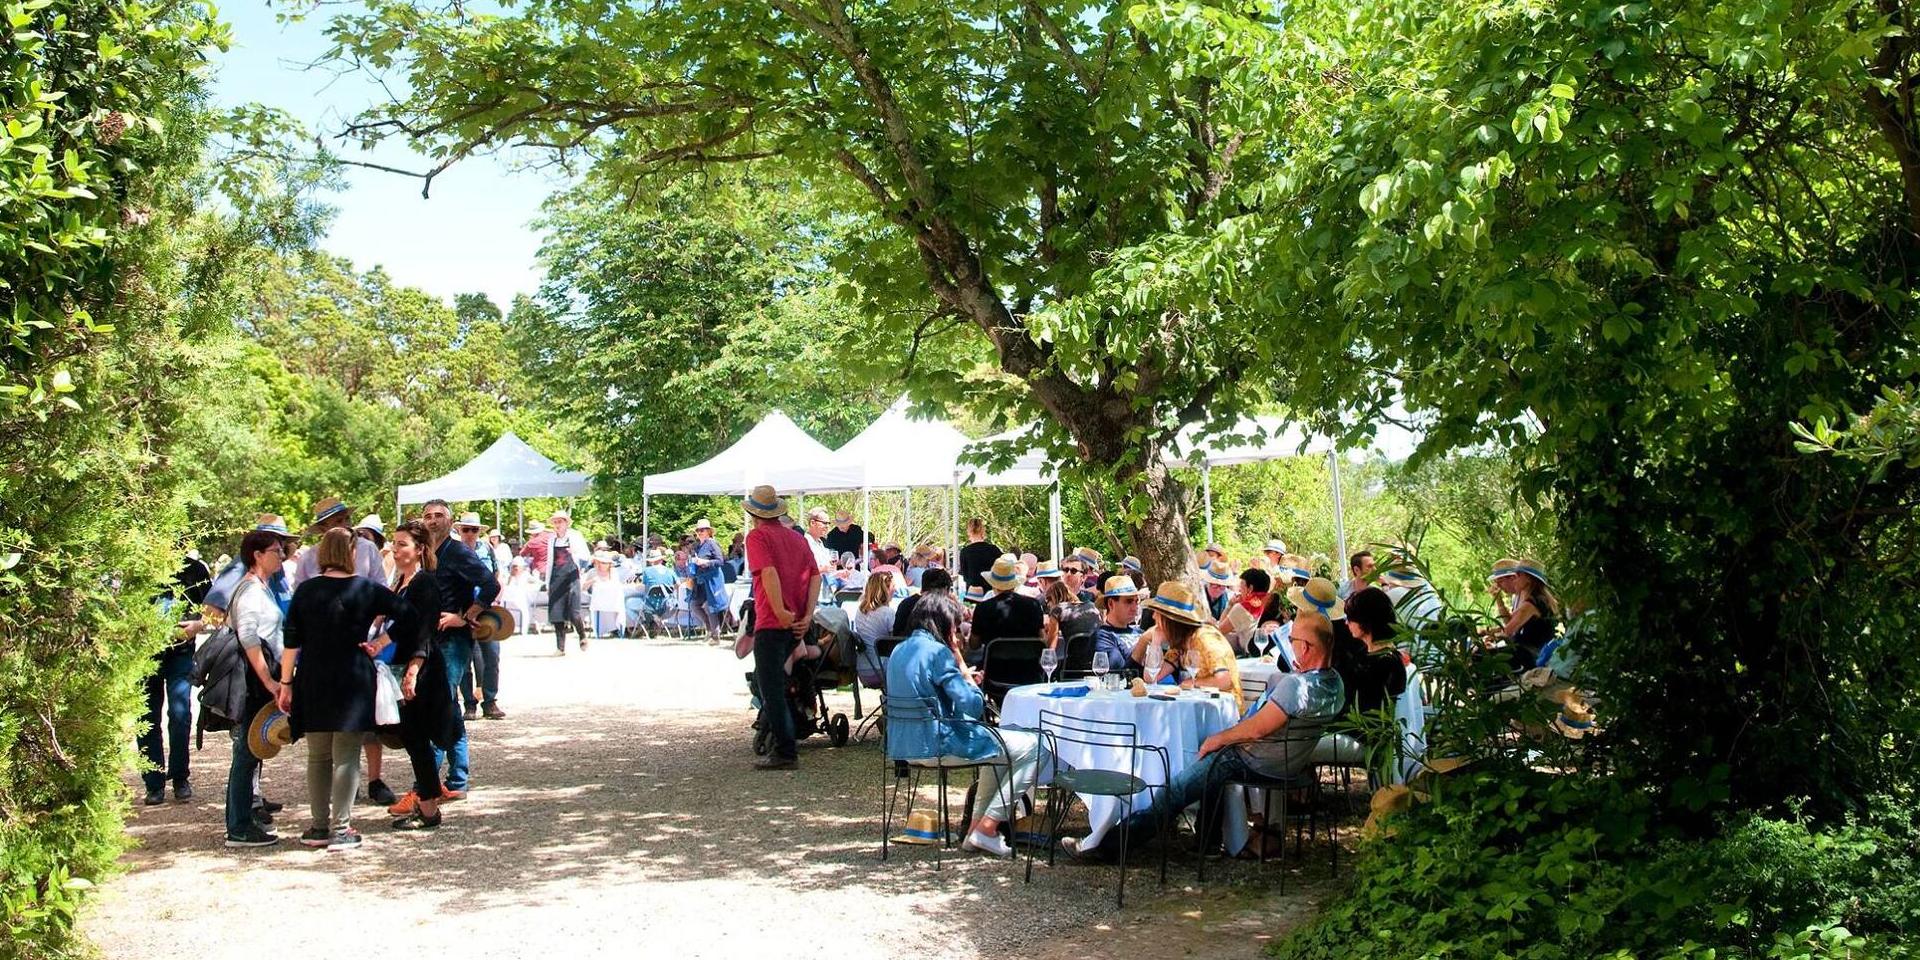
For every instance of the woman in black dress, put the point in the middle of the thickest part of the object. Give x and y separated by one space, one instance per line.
1529 623
330 698
429 713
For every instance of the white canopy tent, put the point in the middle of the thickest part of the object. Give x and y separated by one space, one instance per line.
507 470
739 468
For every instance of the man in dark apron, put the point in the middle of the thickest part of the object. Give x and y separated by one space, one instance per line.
568 551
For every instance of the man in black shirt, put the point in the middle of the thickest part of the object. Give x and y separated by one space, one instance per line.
1008 613
977 557
846 537
466 588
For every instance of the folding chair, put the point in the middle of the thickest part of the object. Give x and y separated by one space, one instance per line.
1011 662
903 772
1297 740
1069 782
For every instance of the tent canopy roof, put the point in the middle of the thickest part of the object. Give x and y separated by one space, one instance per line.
508 470
896 451
749 462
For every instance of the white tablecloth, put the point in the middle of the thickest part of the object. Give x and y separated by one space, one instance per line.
1178 725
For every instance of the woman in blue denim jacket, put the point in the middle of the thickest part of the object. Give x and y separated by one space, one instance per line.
928 666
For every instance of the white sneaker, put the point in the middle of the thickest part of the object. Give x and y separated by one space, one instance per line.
995 845
1072 846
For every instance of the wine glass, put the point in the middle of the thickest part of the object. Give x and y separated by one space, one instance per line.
1049 659
1152 662
1100 667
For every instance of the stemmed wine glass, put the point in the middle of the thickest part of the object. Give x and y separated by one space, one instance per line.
1101 666
1152 662
1049 659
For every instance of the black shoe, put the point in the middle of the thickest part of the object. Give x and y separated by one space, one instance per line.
156 796
775 763
315 837
269 806
472 713
343 841
252 837
493 712
263 818
380 793
182 792
417 821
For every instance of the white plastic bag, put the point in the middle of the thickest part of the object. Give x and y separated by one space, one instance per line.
386 696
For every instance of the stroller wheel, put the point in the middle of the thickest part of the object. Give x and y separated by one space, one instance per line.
838 729
762 742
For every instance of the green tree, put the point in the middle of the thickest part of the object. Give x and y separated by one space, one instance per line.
1634 243
986 160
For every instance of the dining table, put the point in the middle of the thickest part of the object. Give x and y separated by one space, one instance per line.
1179 723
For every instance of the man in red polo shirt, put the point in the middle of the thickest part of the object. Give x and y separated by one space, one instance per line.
785 583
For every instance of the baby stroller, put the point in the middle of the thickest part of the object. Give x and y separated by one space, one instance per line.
656 612
808 684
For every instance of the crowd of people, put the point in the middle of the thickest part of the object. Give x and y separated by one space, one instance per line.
314 616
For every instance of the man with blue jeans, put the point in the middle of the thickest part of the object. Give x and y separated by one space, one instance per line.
168 687
466 589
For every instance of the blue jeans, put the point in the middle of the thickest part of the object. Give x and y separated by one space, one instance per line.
168 687
486 672
770 651
240 784
1206 777
457 650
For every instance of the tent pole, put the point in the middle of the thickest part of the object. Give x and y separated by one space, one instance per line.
1206 492
953 557
520 515
866 529
619 518
496 513
1056 530
1339 510
646 533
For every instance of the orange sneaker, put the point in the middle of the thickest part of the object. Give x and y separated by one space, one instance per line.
449 795
408 802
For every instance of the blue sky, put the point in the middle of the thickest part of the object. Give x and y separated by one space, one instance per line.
475 233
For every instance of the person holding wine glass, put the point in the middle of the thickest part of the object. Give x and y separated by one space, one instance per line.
1195 648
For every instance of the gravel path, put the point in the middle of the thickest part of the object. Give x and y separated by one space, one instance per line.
616 809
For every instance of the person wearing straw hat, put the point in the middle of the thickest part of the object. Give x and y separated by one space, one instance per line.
559 568
707 565
783 572
1197 654
1528 624
846 536
331 514
484 672
1255 745
1219 581
1116 635
1275 551
1007 612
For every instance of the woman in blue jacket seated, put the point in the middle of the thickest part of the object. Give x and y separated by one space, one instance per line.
929 665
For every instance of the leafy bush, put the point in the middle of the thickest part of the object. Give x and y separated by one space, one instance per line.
1509 862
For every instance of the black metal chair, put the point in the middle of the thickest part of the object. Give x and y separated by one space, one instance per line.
1070 782
903 772
1078 662
1011 662
876 719
1296 741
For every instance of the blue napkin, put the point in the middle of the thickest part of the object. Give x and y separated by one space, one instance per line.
1067 692
1170 680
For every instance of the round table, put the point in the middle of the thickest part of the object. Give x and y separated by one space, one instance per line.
1179 725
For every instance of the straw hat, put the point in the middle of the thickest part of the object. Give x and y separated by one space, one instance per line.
469 519
843 516
701 524
606 556
1507 565
1403 577
1217 550
1219 574
1087 555
1118 586
559 513
921 829
763 502
1132 563
1176 601
1276 545
325 509
536 527
1320 596
975 594
494 623
269 731
1005 574
272 523
1048 570
1295 566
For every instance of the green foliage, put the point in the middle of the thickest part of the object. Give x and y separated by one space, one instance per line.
109 282
1510 862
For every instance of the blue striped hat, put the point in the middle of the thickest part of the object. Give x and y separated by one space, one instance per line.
1175 600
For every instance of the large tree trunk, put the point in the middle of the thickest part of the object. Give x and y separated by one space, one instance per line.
1161 539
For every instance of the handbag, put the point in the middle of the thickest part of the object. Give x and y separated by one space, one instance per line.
386 696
